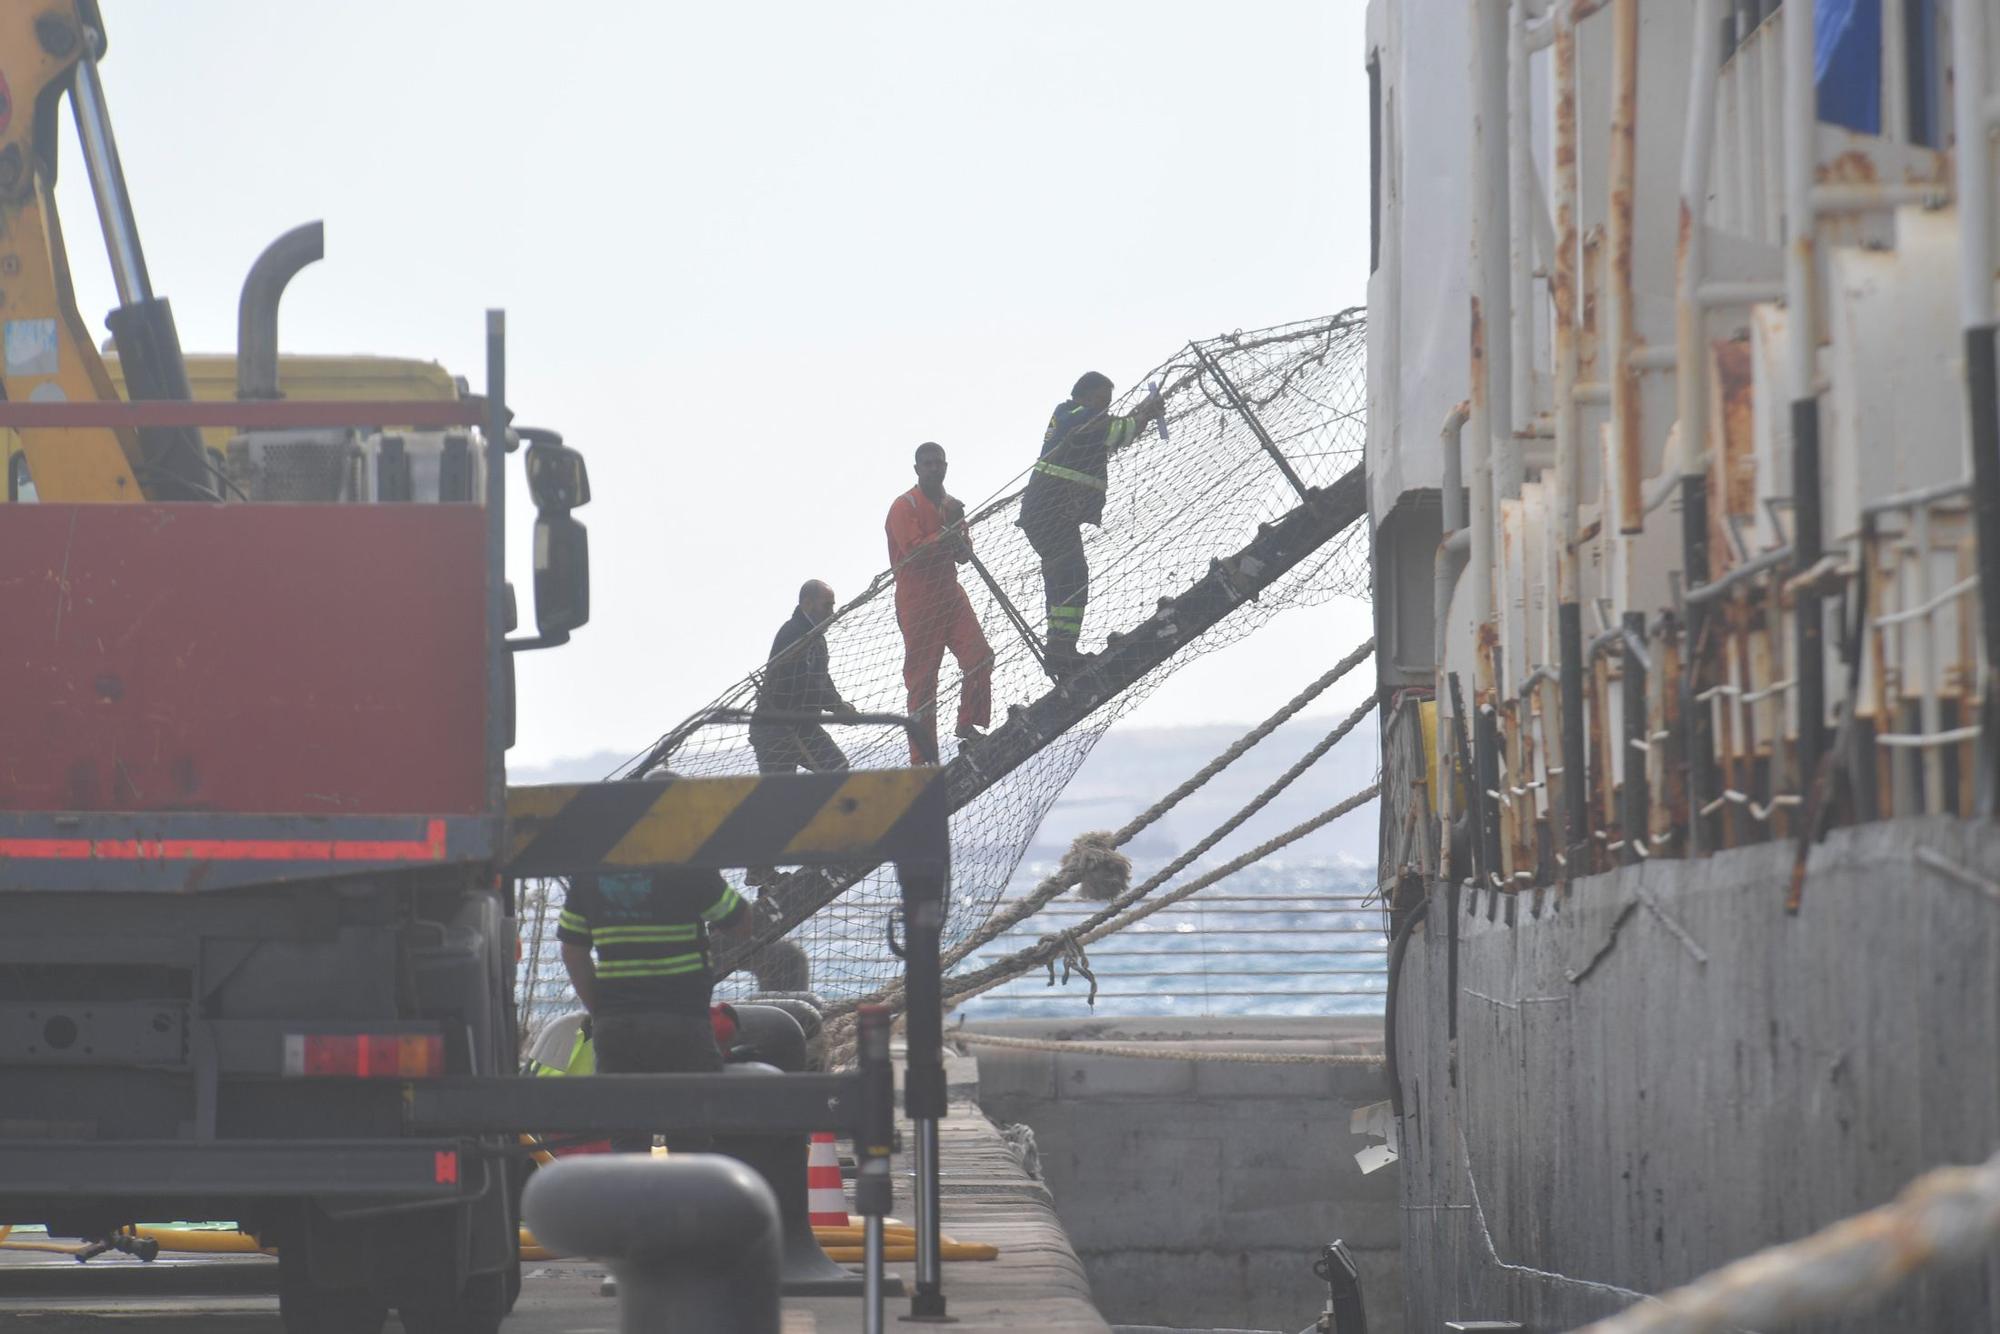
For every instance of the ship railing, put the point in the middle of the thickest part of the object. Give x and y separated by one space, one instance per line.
1794 675
1926 662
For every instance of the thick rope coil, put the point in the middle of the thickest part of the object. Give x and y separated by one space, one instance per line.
1096 867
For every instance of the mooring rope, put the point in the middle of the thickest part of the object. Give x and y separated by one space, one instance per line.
1069 874
1165 1051
1107 922
1945 1217
1093 928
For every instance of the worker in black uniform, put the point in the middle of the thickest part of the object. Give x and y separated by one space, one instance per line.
1066 491
647 991
796 680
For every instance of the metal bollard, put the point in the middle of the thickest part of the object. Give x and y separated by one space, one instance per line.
773 1035
781 1161
692 1239
808 1010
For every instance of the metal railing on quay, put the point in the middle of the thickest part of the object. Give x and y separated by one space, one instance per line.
1209 956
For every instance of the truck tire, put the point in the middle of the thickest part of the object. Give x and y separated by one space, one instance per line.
307 1309
478 1310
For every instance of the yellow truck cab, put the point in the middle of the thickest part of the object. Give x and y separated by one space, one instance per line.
320 378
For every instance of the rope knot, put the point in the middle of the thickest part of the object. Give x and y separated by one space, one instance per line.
1100 870
1073 959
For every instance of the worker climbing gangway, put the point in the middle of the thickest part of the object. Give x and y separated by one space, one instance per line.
1240 504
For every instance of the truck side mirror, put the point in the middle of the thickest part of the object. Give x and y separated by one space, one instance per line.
558 482
562 575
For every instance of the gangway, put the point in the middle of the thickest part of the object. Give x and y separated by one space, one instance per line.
1320 516
1243 507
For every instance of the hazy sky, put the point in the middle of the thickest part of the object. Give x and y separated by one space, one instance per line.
751 255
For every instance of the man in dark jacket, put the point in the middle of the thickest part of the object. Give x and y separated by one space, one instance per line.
647 990
1066 491
796 680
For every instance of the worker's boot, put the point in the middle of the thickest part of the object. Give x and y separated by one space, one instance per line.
1062 658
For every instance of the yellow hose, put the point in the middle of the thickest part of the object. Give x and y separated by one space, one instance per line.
951 1250
842 1244
204 1241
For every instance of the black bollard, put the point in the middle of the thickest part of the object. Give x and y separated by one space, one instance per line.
693 1239
809 1010
773 1035
806 1271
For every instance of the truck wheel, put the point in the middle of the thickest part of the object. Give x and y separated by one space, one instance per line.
478 1310
306 1309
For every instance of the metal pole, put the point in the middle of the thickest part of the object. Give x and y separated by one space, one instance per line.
1896 72
1520 252
1490 412
498 658
1974 160
1444 574
874 1145
1625 422
1237 401
1495 283
1801 121
924 891
1691 392
1020 622
1636 790
1569 611
871 1275
930 1272
107 181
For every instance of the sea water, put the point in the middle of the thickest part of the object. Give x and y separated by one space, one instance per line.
1278 938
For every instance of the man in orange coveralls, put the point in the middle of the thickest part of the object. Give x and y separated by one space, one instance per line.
927 542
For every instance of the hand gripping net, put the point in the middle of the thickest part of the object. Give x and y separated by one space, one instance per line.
1172 506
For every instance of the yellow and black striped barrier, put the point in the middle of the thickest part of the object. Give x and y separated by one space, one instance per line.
872 815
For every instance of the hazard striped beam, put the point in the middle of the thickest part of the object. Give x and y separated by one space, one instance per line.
874 815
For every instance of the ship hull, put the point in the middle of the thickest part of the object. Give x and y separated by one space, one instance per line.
1660 1071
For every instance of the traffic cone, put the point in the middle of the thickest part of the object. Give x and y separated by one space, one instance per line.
824 1200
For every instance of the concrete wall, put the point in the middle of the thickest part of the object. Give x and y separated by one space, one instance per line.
1199 1193
1662 1072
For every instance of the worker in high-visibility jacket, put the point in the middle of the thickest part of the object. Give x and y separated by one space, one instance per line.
648 987
927 544
1066 491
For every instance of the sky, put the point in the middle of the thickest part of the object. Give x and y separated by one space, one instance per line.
751 255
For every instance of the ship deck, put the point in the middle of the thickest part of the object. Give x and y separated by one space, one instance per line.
1036 1283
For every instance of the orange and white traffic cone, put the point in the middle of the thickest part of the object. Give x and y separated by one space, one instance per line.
824 1200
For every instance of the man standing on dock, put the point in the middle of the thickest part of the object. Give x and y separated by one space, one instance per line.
1065 491
927 543
647 990
796 681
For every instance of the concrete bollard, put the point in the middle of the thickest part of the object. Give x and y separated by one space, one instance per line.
693 1239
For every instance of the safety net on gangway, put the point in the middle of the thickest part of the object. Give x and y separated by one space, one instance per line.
1244 506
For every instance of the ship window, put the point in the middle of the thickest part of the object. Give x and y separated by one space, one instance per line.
20 486
1374 161
1850 51
1847 63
